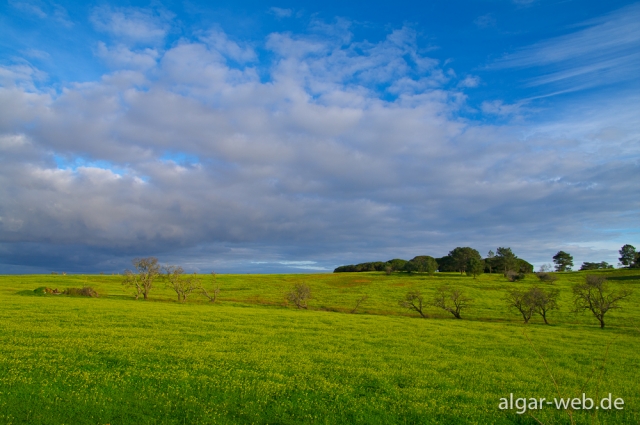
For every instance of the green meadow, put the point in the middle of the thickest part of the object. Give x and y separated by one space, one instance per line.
251 358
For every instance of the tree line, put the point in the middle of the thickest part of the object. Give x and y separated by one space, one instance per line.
503 260
461 259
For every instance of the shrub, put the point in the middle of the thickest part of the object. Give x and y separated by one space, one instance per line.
513 276
299 295
86 291
547 277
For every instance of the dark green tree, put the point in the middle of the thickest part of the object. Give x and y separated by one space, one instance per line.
446 264
563 261
461 255
396 264
595 266
489 260
422 264
474 267
506 260
627 255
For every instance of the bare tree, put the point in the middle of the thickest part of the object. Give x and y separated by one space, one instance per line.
451 300
181 284
414 301
358 302
594 295
543 301
146 271
521 301
213 295
299 295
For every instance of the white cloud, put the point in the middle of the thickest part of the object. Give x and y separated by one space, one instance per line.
470 81
122 57
498 107
131 24
280 12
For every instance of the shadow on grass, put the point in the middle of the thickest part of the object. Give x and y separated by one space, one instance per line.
633 277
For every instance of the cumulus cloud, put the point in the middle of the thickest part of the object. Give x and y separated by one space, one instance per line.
348 151
132 24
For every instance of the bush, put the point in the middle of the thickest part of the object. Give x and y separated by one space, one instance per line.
547 277
513 276
299 295
43 290
86 291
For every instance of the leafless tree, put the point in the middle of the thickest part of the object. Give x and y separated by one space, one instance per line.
594 295
181 284
452 300
213 295
543 301
299 295
521 301
358 302
414 301
146 272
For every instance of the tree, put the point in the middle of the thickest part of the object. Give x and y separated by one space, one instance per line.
594 295
451 300
422 264
396 264
627 255
446 264
521 301
543 301
414 301
563 261
358 302
181 284
595 266
299 295
461 255
506 260
146 271
474 267
545 268
489 261
213 295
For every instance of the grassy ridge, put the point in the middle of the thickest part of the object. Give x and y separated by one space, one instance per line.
250 359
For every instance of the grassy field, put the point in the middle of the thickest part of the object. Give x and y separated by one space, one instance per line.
251 358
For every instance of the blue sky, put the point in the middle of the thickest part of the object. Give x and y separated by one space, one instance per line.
294 136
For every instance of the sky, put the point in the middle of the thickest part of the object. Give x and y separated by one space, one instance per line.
294 137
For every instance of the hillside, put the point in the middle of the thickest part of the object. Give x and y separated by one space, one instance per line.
251 358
